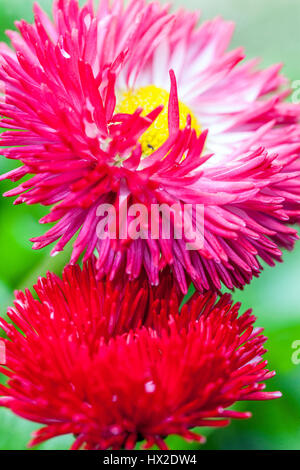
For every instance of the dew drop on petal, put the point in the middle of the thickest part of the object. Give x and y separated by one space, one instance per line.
115 430
150 387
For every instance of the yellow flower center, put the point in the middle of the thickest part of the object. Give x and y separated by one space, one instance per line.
149 98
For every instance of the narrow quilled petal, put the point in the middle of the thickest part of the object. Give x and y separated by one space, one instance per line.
116 363
114 103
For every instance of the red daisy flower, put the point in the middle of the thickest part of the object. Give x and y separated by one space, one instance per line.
115 364
100 124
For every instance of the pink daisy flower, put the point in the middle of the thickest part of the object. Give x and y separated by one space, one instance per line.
115 364
139 104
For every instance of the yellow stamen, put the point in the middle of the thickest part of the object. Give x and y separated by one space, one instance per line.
149 98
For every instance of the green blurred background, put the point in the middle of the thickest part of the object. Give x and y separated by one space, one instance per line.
269 29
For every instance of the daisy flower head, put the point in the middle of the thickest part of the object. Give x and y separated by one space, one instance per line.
111 108
114 364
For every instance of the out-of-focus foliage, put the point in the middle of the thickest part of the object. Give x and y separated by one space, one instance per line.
269 29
